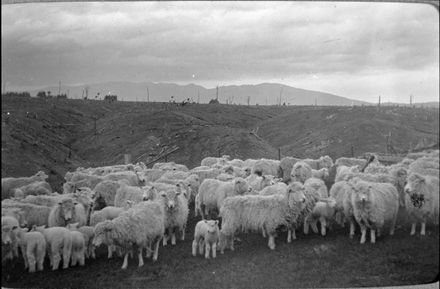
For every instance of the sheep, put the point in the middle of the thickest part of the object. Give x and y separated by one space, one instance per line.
286 165
225 177
350 162
130 193
237 171
9 238
65 212
212 192
81 180
33 249
422 201
179 175
78 245
210 173
316 185
10 184
236 163
257 183
341 191
58 242
425 166
322 162
88 233
249 163
142 225
133 178
342 171
301 171
210 161
175 206
322 174
266 167
206 237
107 213
323 211
256 213
33 214
17 213
44 200
106 190
35 188
315 190
190 183
278 188
374 204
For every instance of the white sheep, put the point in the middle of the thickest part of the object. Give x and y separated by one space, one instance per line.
425 166
266 167
35 188
170 166
206 237
88 233
210 161
341 192
257 183
133 178
374 204
9 238
130 193
212 193
17 213
350 162
422 201
301 171
33 214
317 185
175 206
236 163
262 213
210 173
322 174
343 171
142 225
10 184
105 192
323 211
278 188
33 249
58 242
322 162
67 211
78 253
286 165
315 190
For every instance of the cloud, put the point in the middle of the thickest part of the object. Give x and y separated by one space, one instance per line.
80 42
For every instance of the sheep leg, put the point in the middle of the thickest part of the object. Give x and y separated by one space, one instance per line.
40 261
81 258
66 257
156 250
263 232
183 233
201 245
363 233
314 227
293 234
194 248
149 250
422 231
207 250
73 259
306 226
93 252
289 236
372 236
352 228
173 236
413 229
125 263
110 251
56 258
271 242
323 225
24 254
31 261
214 250
141 260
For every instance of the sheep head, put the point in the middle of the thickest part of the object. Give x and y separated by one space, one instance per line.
296 195
104 232
170 197
67 209
211 226
241 186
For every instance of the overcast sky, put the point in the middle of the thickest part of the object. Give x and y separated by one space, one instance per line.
356 50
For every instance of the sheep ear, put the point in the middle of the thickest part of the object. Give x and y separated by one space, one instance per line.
60 203
163 194
75 203
206 221
216 222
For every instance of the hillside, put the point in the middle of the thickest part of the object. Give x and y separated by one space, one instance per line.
265 93
60 135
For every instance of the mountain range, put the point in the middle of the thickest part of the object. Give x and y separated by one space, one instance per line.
262 94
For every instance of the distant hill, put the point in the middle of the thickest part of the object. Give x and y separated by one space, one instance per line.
265 93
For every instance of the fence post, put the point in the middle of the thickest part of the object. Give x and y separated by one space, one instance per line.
352 151
127 159
279 154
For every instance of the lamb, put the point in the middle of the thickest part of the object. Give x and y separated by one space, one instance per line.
10 184
130 193
262 213
266 167
257 183
300 172
33 249
142 225
206 237
35 188
422 201
212 192
341 191
106 190
88 234
175 206
58 242
322 162
65 212
17 213
9 238
78 245
323 211
322 174
33 214
374 204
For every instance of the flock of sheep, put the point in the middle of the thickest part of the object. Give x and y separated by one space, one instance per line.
132 208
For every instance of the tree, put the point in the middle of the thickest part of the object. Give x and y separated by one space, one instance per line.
41 94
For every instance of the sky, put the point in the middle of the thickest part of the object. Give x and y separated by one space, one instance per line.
352 49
